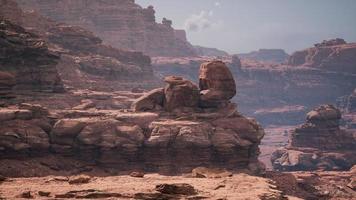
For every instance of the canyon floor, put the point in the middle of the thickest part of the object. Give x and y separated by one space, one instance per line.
293 186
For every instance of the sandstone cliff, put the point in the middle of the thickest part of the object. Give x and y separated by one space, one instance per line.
84 61
266 55
333 55
318 144
123 24
26 57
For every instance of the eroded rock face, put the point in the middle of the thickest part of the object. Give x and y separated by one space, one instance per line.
123 24
180 93
7 82
334 55
27 58
318 144
217 85
81 57
266 55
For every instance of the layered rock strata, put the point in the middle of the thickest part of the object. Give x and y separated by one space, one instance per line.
85 62
173 136
333 55
318 144
26 63
266 55
123 24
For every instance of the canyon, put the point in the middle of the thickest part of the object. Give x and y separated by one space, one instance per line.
122 24
112 105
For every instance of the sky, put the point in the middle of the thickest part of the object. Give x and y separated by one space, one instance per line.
241 26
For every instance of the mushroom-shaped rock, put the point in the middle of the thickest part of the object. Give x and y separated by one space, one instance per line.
217 84
180 93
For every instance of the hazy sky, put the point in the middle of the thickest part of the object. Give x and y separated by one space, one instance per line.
239 26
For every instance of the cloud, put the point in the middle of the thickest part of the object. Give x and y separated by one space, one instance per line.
199 22
217 4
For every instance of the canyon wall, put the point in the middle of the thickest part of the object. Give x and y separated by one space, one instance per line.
334 55
122 24
26 58
83 60
266 55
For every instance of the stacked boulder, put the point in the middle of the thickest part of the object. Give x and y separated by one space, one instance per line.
216 88
318 144
170 133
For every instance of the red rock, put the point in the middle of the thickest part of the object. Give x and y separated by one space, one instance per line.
149 101
123 24
334 55
318 144
180 93
216 83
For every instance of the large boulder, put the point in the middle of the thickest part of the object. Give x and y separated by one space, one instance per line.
180 93
216 83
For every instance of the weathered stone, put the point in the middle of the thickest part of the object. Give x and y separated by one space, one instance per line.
180 93
216 83
150 101
181 188
318 144
137 174
141 119
203 172
20 135
80 179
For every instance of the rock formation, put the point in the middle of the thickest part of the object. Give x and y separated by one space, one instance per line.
266 55
265 88
180 93
7 82
173 135
82 58
26 57
333 55
211 52
123 24
318 144
217 85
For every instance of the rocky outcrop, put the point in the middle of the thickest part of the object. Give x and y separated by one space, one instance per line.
270 88
318 144
266 55
26 57
84 59
7 81
217 85
123 24
180 93
333 55
173 135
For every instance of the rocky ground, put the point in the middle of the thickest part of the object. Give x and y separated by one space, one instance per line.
151 186
202 183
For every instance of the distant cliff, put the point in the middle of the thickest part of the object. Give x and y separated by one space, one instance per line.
266 55
120 23
333 55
